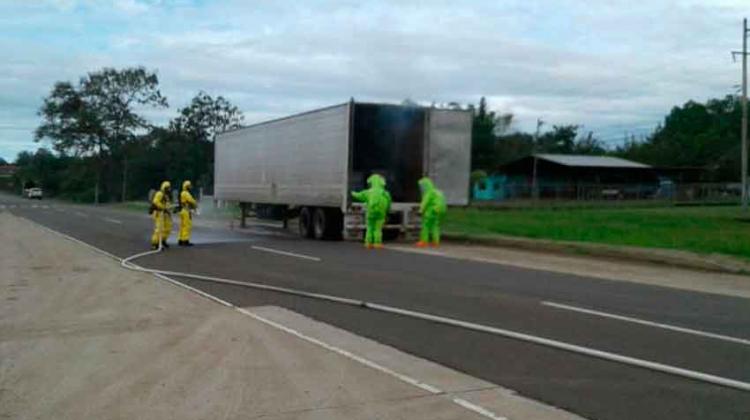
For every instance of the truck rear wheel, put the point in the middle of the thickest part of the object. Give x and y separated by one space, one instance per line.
327 223
306 223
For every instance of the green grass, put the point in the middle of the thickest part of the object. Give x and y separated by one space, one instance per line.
698 229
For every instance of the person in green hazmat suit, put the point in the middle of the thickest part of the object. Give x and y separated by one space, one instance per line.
377 202
432 209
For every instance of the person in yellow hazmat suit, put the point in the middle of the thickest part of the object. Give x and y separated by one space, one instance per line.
187 205
160 211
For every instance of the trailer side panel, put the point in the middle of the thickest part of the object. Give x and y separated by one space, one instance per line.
449 153
300 160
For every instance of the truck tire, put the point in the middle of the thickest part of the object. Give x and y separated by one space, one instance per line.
391 234
335 228
306 223
328 223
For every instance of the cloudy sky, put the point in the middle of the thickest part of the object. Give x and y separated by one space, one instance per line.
613 66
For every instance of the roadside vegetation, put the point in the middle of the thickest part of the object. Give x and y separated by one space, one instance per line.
704 230
104 149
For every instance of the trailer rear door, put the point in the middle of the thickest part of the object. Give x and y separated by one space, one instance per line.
449 153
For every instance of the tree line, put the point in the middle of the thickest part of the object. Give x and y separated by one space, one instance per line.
105 149
694 135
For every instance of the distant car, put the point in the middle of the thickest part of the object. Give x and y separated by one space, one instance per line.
34 193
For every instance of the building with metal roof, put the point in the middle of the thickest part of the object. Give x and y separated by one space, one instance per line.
590 161
570 176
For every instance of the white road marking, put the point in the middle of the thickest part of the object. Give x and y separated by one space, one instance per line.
649 323
45 207
78 213
412 381
115 221
560 345
33 206
477 409
2 206
287 253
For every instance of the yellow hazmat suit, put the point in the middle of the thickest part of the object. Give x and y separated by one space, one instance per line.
187 205
161 215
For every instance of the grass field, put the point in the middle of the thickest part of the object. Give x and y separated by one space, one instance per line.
699 229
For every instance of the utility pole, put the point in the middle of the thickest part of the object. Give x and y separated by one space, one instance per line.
124 178
744 54
534 186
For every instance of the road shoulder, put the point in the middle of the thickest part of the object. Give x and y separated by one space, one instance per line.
596 267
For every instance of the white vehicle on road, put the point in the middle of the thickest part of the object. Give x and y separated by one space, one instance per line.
34 193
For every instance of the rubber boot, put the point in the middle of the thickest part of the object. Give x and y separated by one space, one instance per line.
421 244
378 246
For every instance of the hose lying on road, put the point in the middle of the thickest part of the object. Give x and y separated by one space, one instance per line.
613 357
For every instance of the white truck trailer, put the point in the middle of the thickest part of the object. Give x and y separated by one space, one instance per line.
307 164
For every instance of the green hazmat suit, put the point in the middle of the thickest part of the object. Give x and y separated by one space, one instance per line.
377 203
432 209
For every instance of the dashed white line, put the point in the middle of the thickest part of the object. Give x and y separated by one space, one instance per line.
287 253
648 323
115 221
78 213
2 206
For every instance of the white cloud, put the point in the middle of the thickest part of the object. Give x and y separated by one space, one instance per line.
612 66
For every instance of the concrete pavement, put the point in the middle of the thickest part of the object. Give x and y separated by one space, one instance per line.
80 337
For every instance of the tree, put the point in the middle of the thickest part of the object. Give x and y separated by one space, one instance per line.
561 139
3 161
694 135
189 140
513 146
98 116
487 125
40 169
206 116
589 145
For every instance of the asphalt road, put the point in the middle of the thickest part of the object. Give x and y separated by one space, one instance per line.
489 294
